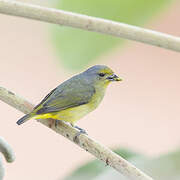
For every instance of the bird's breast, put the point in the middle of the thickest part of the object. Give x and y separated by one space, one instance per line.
96 99
73 114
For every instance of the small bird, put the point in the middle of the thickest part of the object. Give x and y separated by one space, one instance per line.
74 98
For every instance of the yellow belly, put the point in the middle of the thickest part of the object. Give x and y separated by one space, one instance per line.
71 115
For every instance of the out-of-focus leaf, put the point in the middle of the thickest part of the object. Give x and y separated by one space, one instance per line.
112 174
164 167
77 48
94 168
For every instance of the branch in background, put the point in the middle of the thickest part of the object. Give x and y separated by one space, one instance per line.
88 23
8 153
1 169
85 142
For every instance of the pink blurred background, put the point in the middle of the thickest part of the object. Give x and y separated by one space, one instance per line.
141 113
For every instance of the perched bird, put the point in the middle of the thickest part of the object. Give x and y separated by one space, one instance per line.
74 98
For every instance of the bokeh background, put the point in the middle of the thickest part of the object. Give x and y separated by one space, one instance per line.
141 113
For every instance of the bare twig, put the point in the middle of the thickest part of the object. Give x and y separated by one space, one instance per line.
85 142
8 153
1 169
88 23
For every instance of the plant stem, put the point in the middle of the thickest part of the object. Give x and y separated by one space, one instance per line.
7 150
85 142
8 153
88 23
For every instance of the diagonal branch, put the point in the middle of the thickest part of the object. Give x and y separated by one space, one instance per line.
88 23
85 142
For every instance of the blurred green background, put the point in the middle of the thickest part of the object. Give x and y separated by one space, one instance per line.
78 48
141 113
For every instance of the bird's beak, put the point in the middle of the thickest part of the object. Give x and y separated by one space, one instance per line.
114 77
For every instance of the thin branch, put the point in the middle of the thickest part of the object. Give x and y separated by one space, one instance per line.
8 153
85 142
2 170
7 150
88 23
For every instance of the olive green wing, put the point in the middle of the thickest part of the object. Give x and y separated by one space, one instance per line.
44 100
65 97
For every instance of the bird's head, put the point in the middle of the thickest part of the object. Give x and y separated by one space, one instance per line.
100 74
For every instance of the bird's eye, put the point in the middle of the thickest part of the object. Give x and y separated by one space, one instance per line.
101 74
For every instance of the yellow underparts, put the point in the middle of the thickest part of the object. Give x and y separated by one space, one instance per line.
72 115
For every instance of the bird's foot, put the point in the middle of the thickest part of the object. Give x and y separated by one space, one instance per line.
81 131
56 123
53 122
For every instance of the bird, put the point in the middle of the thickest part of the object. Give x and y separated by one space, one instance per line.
75 97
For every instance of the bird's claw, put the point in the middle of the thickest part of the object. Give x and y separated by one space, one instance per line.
56 123
53 122
81 131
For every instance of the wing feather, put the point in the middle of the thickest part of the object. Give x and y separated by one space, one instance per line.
66 96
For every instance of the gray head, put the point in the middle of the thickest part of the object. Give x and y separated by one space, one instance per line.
101 73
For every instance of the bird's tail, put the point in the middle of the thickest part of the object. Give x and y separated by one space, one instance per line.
24 118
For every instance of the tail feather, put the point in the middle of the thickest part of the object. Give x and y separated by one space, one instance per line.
24 119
